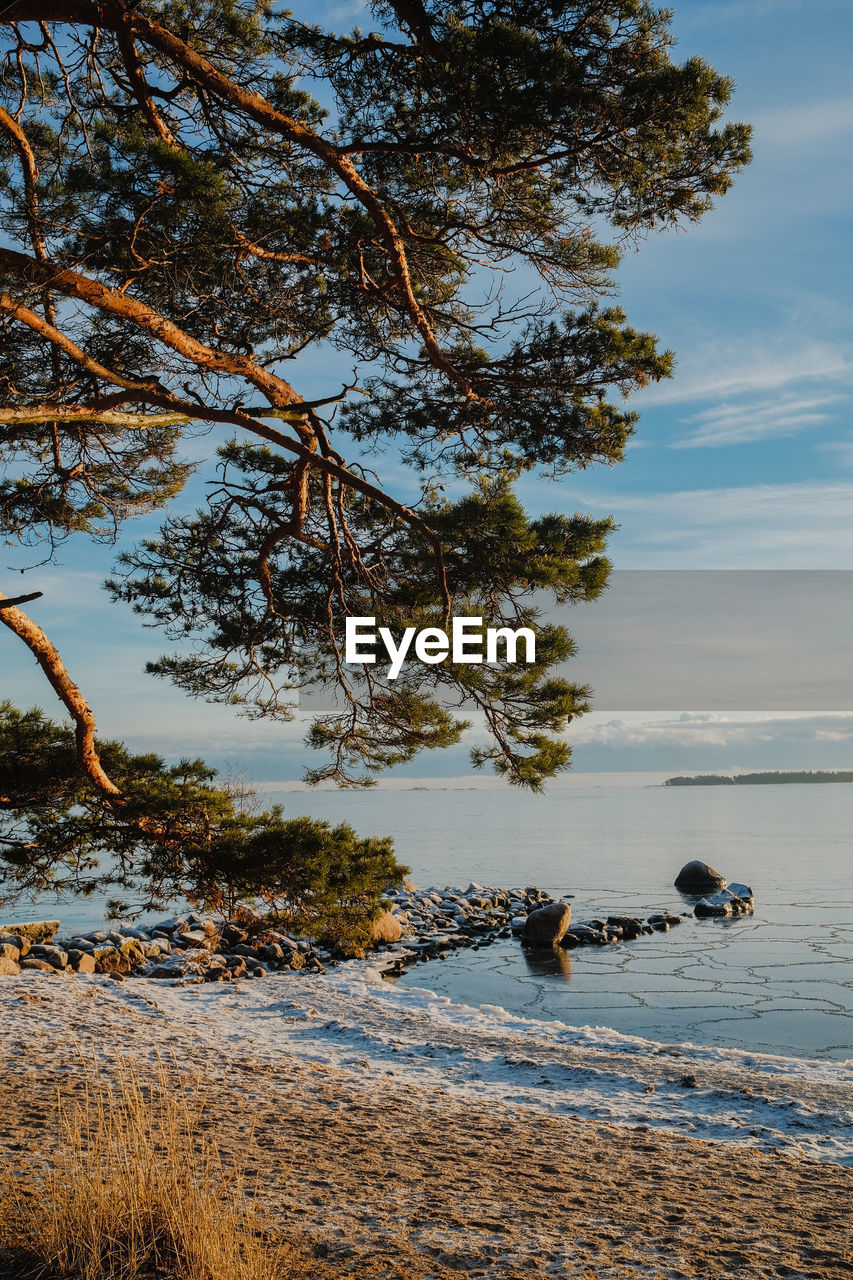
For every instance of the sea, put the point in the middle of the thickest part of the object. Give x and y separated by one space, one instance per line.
779 981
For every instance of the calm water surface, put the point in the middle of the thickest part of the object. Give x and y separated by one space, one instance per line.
780 981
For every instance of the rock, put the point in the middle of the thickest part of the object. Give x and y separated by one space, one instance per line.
584 932
241 949
23 944
32 962
664 917
630 927
36 931
689 1081
134 950
8 951
386 928
271 953
232 934
112 961
55 956
170 925
193 938
9 968
102 949
727 902
81 961
545 926
741 891
698 877
172 970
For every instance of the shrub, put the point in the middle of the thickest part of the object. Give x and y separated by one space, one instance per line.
316 879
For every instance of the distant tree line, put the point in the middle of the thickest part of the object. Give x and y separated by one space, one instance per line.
756 779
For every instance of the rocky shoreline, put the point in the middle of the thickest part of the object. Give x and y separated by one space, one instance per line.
418 925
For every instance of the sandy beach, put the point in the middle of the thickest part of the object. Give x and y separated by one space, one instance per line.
400 1136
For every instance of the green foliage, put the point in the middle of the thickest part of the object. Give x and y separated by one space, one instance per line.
316 879
442 202
174 833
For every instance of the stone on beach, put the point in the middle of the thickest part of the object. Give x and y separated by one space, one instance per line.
36 930
418 925
22 944
698 877
545 926
55 956
109 960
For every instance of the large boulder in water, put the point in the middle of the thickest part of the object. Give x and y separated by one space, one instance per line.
698 877
545 926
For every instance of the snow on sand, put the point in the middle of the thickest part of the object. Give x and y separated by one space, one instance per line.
352 1021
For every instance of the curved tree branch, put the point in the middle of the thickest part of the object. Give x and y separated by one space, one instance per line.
237 418
73 284
47 656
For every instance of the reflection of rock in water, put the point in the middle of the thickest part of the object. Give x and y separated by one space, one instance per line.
548 962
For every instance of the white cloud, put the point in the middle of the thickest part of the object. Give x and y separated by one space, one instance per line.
715 369
767 526
841 452
804 123
739 423
704 730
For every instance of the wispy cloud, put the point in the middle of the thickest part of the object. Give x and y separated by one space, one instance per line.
706 730
765 526
804 123
741 423
716 369
841 452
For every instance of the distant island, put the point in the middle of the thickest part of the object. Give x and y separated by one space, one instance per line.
759 779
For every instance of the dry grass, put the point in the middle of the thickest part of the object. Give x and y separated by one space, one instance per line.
134 1189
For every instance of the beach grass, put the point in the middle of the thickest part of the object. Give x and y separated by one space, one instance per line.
135 1187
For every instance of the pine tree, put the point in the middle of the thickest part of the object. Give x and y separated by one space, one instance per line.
200 195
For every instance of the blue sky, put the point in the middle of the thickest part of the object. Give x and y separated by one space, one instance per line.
743 460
